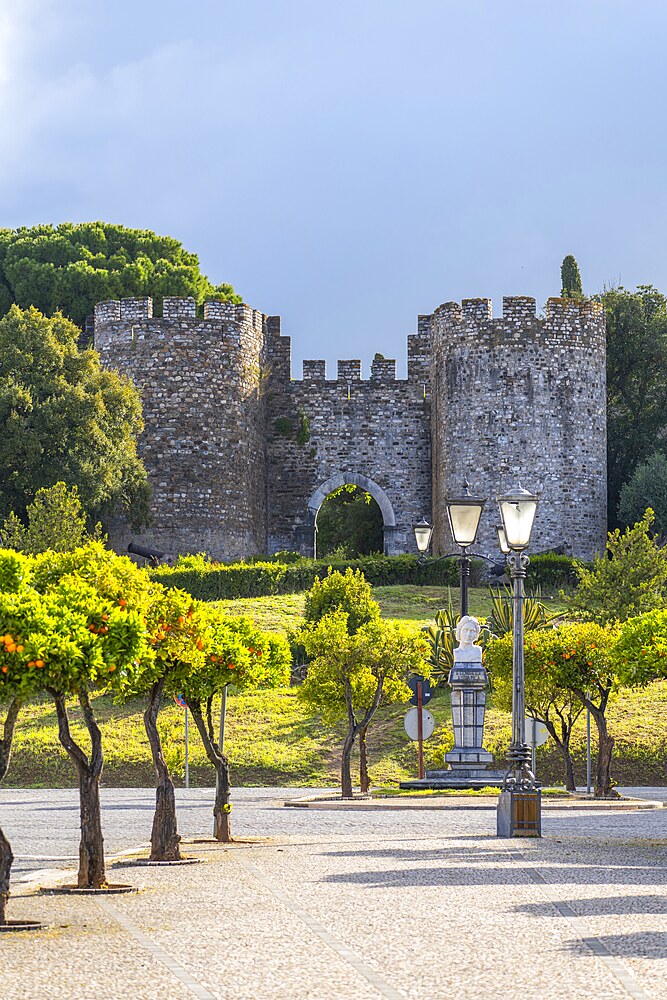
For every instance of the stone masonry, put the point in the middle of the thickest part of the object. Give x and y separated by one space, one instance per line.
241 455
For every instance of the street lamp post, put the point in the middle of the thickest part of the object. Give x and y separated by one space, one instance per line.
463 514
519 804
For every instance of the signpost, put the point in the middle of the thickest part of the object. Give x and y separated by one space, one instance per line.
421 695
536 734
180 700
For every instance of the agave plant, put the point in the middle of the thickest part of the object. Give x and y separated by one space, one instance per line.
441 638
535 613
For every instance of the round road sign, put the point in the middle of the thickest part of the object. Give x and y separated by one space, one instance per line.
536 732
411 724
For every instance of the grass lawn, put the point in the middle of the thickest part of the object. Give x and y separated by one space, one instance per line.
273 740
401 603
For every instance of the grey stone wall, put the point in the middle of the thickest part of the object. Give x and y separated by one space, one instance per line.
205 417
523 399
240 455
322 433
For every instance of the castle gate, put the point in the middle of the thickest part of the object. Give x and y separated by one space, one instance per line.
364 483
324 433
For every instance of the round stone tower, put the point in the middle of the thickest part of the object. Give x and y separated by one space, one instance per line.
522 399
205 423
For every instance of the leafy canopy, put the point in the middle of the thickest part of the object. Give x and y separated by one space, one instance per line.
640 653
629 579
636 397
65 636
646 487
556 660
64 419
70 267
55 520
349 592
354 667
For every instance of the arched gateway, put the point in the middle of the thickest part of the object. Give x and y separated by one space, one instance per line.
364 483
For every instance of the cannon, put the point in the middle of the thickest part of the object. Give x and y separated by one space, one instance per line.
152 555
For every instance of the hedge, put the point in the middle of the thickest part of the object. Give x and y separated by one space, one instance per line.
551 570
210 581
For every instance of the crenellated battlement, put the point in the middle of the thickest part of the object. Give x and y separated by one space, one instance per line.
565 320
176 308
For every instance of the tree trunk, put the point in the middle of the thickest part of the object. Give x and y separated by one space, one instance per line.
6 856
91 873
604 786
164 835
222 806
364 780
345 768
6 860
570 783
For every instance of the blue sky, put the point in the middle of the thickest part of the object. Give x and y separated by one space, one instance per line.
349 164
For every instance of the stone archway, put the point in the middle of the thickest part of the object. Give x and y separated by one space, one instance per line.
370 486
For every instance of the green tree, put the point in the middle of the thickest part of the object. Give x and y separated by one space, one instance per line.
566 669
18 614
238 653
349 521
629 579
55 520
98 599
349 592
70 267
546 699
647 487
570 279
636 397
640 652
64 419
351 675
176 637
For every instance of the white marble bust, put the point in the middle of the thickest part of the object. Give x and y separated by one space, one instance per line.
467 631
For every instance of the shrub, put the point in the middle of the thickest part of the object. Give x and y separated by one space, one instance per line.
348 592
629 579
211 581
551 571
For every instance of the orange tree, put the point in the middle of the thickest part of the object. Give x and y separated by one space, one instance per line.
108 594
565 667
23 613
236 653
546 700
177 635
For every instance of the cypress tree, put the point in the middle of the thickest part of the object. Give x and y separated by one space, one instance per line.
570 278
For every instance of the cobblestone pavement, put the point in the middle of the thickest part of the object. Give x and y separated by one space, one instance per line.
359 905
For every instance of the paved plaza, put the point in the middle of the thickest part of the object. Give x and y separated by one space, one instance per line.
324 904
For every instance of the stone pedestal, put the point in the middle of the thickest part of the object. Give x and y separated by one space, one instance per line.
467 759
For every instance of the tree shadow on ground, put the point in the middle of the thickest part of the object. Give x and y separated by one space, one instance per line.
511 874
401 854
641 944
599 906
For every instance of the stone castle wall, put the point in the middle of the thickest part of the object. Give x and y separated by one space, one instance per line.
241 455
523 399
204 441
371 432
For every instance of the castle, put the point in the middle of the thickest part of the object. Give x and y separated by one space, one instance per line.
241 454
